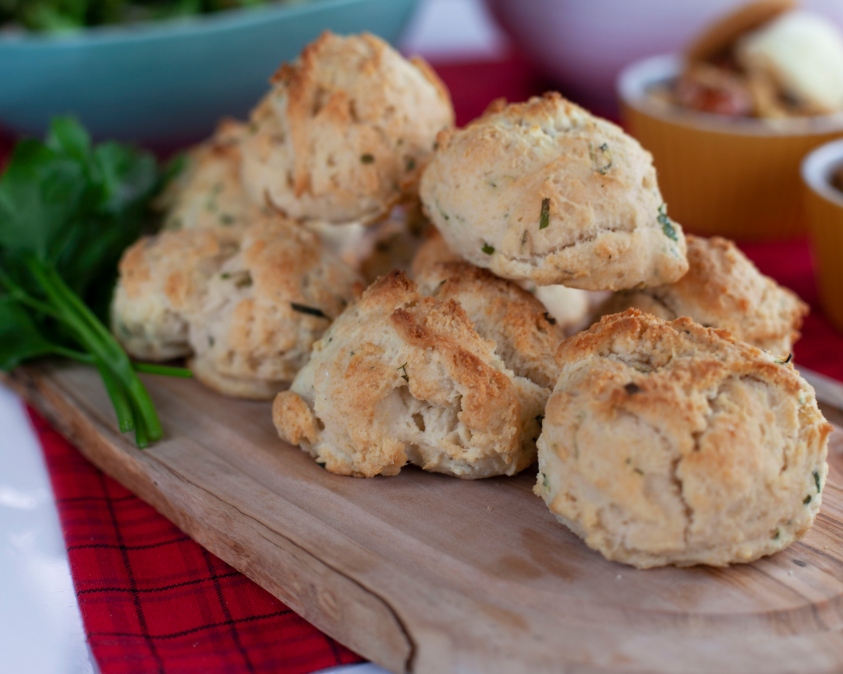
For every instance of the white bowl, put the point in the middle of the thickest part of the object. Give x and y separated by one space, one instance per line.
584 44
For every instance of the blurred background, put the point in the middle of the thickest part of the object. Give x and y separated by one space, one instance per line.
174 67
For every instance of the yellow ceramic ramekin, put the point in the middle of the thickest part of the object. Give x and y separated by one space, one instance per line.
824 210
736 178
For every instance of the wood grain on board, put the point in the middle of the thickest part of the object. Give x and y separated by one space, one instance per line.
427 573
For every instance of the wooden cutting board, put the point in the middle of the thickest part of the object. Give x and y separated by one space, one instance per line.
426 573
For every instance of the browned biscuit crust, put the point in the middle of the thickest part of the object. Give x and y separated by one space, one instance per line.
526 336
543 191
345 132
264 309
400 378
161 285
670 443
723 289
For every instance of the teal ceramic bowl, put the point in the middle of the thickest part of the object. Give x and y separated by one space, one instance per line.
170 82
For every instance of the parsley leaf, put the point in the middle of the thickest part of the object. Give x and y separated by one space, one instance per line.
68 210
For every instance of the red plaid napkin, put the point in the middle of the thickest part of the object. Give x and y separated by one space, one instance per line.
154 601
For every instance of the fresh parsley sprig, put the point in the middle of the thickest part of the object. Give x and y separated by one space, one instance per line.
68 210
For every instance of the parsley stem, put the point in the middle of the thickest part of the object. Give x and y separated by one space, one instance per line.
78 356
141 432
97 339
119 399
147 423
163 370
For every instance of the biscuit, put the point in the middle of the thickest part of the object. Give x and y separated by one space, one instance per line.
671 443
568 308
265 307
723 289
345 131
546 192
802 54
162 281
208 192
400 378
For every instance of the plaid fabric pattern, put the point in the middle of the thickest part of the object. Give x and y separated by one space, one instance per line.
152 600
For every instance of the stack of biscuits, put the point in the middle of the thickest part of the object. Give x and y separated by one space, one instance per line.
674 430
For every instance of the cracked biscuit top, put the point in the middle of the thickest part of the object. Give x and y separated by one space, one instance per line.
544 191
671 443
402 378
345 131
723 289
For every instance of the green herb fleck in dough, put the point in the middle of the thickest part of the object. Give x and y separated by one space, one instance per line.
806 500
545 482
404 374
227 219
544 218
776 535
411 164
601 158
667 226
311 311
488 249
367 158
816 475
784 361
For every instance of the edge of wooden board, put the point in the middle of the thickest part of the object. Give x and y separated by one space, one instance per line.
332 604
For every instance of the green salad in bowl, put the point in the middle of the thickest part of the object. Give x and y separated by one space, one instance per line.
68 15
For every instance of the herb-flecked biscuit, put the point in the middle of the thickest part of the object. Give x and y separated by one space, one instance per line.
208 191
345 131
162 281
671 443
544 191
400 377
723 289
265 307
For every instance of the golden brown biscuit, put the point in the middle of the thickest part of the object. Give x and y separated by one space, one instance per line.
719 37
670 443
401 378
264 309
162 282
546 192
723 289
345 131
